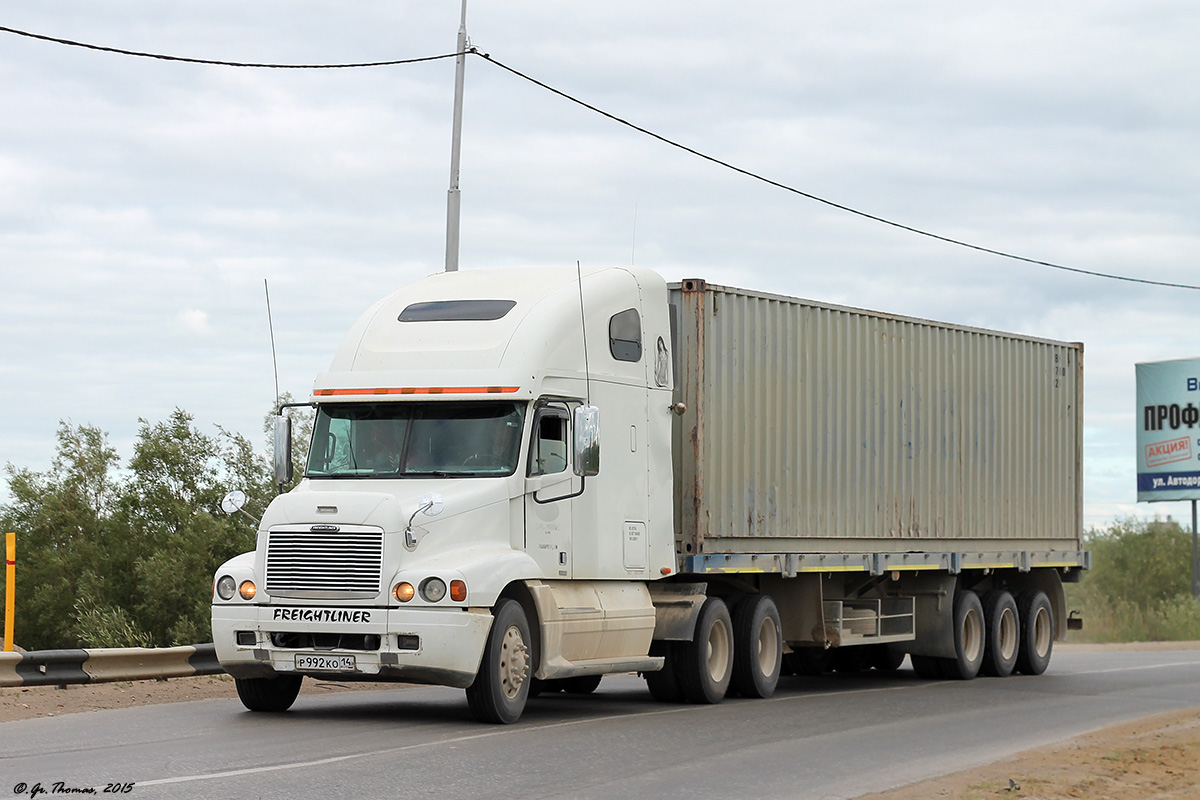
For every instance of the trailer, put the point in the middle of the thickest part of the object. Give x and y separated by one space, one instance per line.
777 486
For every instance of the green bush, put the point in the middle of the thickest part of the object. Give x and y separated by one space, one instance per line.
1139 587
115 558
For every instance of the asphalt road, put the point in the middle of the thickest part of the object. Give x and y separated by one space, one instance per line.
837 736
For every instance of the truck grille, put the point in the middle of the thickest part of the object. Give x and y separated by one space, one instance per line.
324 565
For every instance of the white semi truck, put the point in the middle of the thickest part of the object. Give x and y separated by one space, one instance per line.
522 480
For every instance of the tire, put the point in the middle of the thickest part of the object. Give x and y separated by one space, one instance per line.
585 684
969 638
705 664
664 684
852 660
927 667
502 684
886 659
1002 635
808 661
757 647
269 694
1037 632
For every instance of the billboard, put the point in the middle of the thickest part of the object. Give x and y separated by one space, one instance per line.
1168 434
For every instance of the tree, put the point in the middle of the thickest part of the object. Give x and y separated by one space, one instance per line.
1139 587
63 520
115 562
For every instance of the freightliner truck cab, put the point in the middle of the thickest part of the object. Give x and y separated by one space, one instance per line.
459 522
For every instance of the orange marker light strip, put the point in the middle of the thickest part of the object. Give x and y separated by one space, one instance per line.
417 390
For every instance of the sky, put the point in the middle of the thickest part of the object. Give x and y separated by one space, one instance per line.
144 202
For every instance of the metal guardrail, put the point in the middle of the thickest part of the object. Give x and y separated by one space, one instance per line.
103 665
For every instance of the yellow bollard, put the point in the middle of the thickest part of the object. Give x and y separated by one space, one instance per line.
10 589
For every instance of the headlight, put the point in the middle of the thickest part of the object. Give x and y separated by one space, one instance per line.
247 590
433 589
226 586
403 592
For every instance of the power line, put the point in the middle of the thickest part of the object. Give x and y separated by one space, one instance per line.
818 199
645 131
251 64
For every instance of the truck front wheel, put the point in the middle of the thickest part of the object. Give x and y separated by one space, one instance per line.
269 694
501 686
705 665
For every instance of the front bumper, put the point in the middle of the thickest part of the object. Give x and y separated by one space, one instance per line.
415 645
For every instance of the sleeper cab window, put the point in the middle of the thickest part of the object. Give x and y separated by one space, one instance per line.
625 335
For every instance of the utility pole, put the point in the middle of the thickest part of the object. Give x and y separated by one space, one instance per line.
454 200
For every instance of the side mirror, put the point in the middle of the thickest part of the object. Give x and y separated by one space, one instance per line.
283 449
587 441
235 502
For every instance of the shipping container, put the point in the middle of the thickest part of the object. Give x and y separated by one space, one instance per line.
816 428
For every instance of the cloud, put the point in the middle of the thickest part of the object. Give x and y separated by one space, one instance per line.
142 203
194 321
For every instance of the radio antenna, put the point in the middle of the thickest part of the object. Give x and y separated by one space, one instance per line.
587 372
271 327
633 245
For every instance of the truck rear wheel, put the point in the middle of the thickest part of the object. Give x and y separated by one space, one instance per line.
1037 632
969 631
757 646
269 694
1003 634
501 686
664 684
705 664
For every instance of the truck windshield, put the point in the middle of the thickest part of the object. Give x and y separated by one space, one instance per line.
414 440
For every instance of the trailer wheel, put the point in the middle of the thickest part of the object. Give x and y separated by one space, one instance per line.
1037 632
808 660
705 664
664 684
1003 634
501 686
927 667
885 658
757 646
269 694
969 638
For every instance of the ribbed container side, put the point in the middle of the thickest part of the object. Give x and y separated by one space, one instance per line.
812 427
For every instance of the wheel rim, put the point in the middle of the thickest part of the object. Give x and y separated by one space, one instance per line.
972 636
768 648
1008 634
1041 632
717 651
514 662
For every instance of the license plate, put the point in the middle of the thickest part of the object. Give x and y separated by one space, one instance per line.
326 663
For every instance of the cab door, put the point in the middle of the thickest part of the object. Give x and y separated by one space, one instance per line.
550 486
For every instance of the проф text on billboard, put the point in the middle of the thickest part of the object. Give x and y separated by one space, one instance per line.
1168 436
